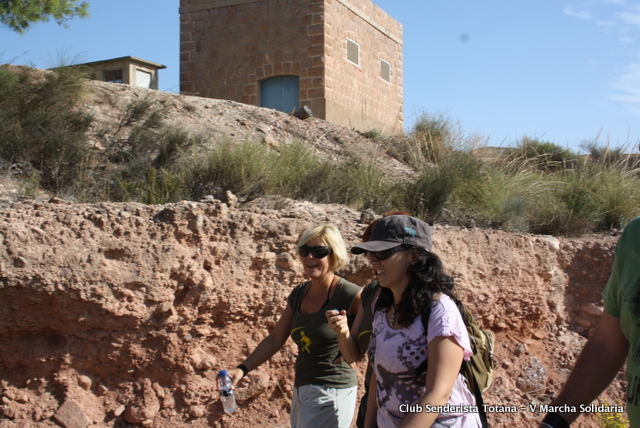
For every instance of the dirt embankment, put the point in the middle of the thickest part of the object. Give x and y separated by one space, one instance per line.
116 314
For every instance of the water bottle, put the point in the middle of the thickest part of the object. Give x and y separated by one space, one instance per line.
226 393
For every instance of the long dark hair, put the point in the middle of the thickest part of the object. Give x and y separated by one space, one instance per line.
427 279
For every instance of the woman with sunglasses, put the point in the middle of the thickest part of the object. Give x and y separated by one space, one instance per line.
411 277
325 389
354 341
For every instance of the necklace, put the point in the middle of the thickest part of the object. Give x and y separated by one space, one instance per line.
393 316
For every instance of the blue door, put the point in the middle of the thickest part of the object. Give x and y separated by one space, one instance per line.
280 93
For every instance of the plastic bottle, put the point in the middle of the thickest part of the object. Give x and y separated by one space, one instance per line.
226 392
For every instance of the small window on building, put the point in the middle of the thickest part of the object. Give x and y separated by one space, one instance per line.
385 71
353 52
113 76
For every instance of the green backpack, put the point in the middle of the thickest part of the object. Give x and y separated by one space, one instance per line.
478 371
480 366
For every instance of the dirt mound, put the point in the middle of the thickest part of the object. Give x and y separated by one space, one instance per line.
224 120
115 314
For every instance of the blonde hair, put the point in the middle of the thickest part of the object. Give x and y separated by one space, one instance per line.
331 236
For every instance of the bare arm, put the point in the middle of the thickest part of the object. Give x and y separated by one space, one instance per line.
445 357
347 340
371 416
597 365
269 345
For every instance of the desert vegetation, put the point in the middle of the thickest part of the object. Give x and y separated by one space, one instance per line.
536 186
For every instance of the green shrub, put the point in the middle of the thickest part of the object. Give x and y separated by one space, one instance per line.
249 170
148 158
354 183
604 155
548 156
240 168
41 125
501 196
372 134
539 188
437 187
291 173
156 187
432 139
590 197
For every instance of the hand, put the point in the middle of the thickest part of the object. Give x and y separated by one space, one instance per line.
235 375
337 321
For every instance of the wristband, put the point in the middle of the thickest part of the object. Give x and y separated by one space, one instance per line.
554 420
244 369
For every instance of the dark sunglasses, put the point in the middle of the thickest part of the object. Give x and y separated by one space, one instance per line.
385 254
316 252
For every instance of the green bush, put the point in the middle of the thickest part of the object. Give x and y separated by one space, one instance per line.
538 188
590 197
241 168
437 188
41 126
501 196
603 154
548 156
354 183
249 170
156 187
432 139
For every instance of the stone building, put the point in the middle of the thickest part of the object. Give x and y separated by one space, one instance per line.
128 70
340 58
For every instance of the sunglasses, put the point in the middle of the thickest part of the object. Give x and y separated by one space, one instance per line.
385 254
316 252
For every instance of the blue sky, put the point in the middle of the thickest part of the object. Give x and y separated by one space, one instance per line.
560 71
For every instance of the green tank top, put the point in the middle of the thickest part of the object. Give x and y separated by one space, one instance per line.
317 343
369 293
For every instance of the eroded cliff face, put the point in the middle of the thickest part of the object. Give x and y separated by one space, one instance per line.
118 314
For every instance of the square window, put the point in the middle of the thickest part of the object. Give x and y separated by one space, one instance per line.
113 76
353 52
385 71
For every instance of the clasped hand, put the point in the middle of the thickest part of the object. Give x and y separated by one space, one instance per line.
337 321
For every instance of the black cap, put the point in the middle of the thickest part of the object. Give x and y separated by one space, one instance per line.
396 230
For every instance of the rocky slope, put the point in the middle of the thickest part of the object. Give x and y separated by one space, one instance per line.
119 315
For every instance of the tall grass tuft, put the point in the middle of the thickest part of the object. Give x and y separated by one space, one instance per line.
502 194
432 139
436 189
548 156
538 187
250 170
240 168
41 127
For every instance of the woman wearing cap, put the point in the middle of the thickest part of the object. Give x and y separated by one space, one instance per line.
411 277
354 341
325 389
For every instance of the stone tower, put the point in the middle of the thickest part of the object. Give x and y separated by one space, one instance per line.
341 58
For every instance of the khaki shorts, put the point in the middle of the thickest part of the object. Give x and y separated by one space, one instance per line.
315 406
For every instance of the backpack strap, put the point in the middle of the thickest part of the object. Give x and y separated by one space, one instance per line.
426 313
477 394
465 367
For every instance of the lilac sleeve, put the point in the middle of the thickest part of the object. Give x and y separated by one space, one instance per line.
445 320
